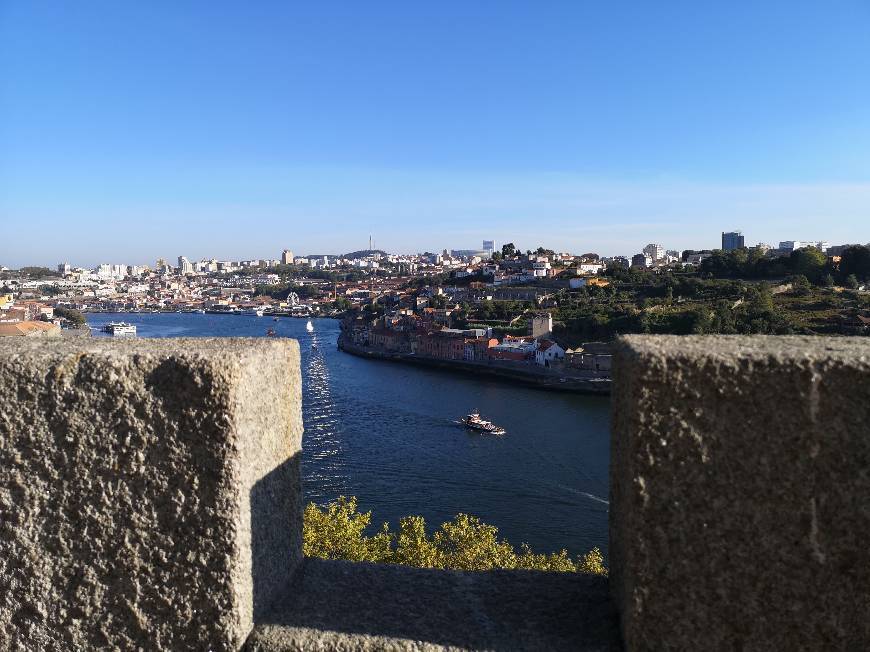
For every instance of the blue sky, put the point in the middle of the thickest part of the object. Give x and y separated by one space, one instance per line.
130 131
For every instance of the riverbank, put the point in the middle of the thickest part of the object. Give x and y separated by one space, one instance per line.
540 378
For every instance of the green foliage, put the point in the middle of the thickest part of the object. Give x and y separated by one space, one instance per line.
30 272
281 291
508 250
753 264
337 531
855 261
74 317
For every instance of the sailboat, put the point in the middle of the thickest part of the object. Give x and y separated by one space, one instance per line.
309 326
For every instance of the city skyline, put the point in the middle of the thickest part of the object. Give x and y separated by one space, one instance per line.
130 132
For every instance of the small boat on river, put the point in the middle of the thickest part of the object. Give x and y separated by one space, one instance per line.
473 421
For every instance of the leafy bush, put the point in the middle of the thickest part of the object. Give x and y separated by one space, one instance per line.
337 531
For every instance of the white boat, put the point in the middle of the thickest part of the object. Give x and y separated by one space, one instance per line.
254 312
309 326
474 422
119 328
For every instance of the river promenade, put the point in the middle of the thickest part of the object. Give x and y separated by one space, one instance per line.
518 372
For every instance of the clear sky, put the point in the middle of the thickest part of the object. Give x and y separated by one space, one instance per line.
132 130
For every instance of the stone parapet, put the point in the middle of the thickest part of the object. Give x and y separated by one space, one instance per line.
339 605
149 490
740 493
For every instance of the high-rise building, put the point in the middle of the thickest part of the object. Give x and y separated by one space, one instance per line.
64 269
732 240
286 257
184 266
488 246
654 251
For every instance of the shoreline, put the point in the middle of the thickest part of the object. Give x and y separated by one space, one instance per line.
528 378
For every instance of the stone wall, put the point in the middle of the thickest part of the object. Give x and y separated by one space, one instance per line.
149 490
150 499
740 493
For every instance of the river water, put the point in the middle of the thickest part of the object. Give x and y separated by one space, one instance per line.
385 432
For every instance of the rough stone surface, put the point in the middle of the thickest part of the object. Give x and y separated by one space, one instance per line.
149 490
740 493
335 605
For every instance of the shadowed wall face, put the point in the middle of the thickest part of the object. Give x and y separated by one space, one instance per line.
739 492
149 490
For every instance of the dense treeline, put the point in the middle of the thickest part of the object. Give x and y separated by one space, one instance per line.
809 262
30 272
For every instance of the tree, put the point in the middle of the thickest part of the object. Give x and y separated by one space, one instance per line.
809 262
855 261
74 317
508 250
852 282
337 531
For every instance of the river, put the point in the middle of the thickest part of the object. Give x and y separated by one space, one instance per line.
385 432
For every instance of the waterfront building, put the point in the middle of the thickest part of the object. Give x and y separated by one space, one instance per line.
548 352
517 349
732 240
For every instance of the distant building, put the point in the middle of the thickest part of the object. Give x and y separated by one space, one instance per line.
732 240
488 246
29 329
654 251
286 257
788 246
64 269
541 325
641 260
619 261
548 352
184 266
